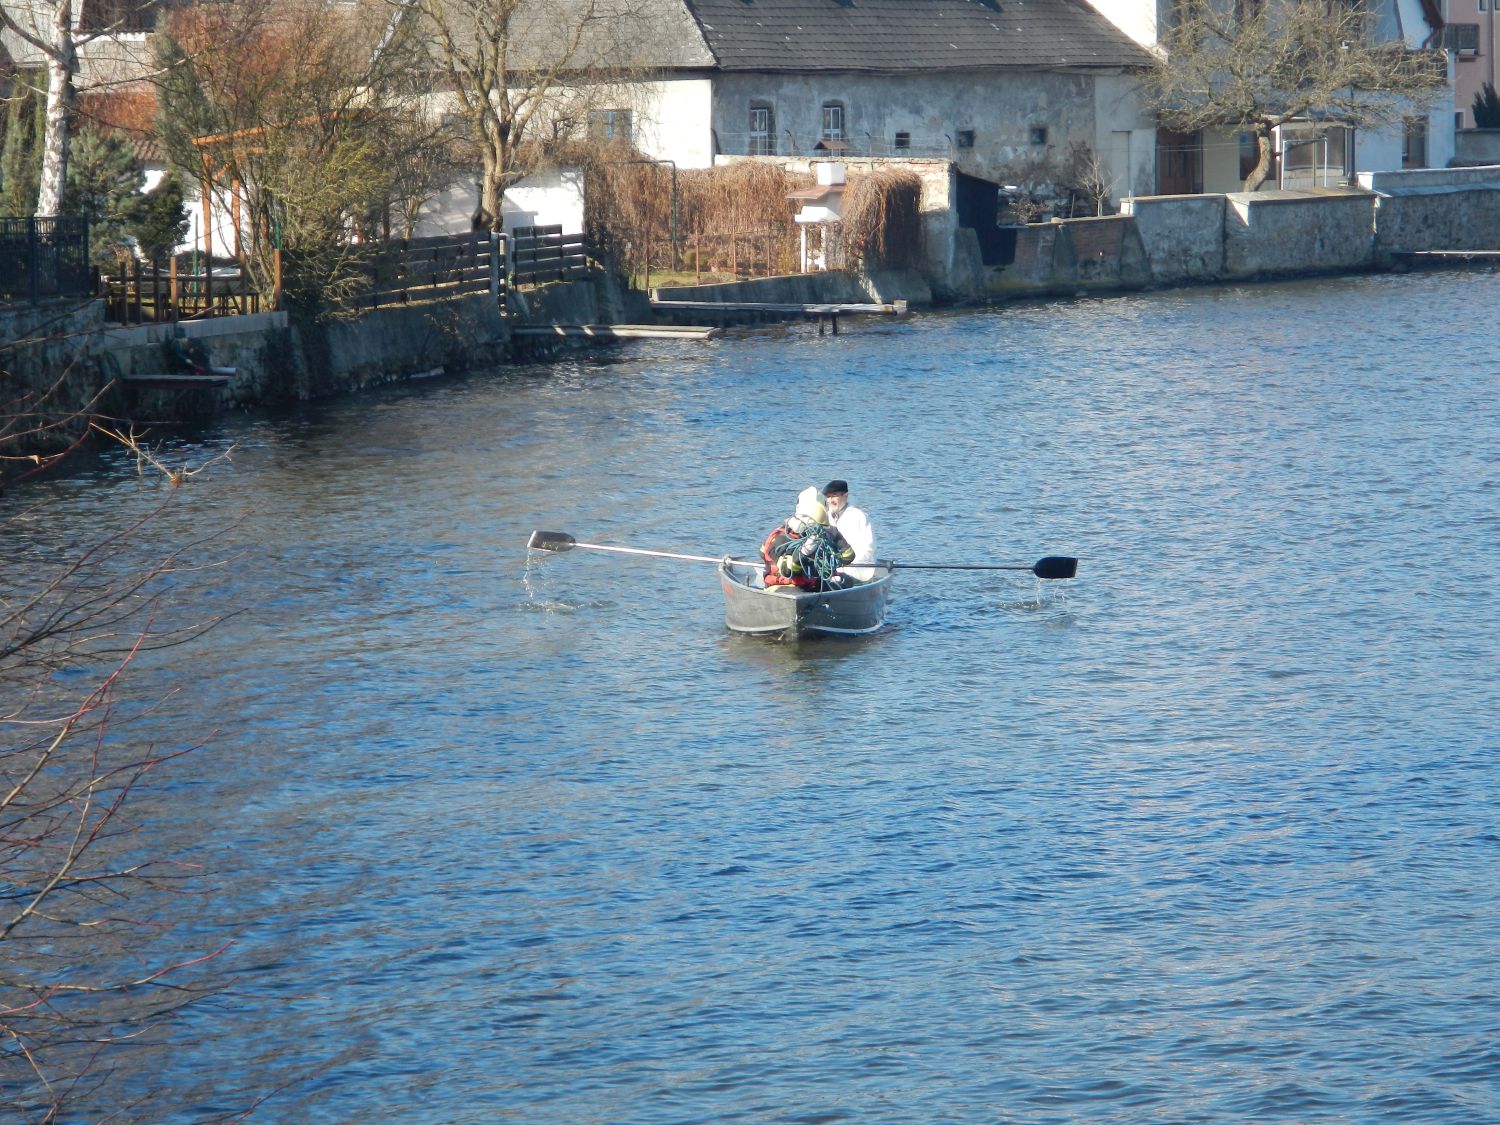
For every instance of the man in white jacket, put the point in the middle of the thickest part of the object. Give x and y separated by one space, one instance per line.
853 525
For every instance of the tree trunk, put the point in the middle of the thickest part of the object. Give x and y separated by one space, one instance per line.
1264 166
491 208
62 64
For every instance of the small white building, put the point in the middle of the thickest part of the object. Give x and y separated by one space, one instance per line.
819 212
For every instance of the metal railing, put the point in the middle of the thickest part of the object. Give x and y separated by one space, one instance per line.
47 257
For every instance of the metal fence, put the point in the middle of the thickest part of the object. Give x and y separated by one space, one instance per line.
42 258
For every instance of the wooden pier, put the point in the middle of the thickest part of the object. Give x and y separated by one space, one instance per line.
827 314
1411 258
619 331
168 381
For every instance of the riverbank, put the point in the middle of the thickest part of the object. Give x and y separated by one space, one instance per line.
65 353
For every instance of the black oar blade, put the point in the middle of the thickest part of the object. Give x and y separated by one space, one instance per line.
550 541
1056 566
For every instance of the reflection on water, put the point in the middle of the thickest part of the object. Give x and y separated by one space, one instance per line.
1205 834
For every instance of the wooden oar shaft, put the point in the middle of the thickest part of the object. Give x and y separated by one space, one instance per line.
669 555
1053 566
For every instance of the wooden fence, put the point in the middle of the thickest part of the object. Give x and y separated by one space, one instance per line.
546 254
426 269
147 295
385 273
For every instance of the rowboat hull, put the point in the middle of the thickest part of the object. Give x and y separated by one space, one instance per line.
750 607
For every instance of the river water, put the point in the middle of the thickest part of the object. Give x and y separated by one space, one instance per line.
1209 833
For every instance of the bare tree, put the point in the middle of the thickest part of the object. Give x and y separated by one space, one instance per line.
427 159
53 28
1255 65
288 112
526 74
86 958
1087 176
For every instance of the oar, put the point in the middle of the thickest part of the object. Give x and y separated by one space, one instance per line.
562 541
1053 566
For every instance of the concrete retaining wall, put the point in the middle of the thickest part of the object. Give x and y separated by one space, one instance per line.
1436 209
1108 253
1043 263
1182 236
71 349
1476 146
1286 233
45 366
599 299
278 361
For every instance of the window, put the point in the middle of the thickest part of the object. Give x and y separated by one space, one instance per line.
833 121
610 125
1249 154
965 138
1039 134
762 130
1462 37
126 17
903 140
1414 143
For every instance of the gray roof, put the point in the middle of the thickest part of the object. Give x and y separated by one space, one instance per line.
888 36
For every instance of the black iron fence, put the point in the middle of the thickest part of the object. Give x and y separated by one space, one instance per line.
42 258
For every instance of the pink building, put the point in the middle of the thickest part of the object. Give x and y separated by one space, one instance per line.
1472 34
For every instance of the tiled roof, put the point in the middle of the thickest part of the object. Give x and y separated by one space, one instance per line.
889 36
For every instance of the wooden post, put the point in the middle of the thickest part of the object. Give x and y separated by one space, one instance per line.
155 292
276 276
135 280
208 234
176 312
234 200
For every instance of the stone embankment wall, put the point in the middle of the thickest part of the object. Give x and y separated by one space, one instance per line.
1436 208
67 351
1285 233
1208 238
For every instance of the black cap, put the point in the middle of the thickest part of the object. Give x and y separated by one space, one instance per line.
834 487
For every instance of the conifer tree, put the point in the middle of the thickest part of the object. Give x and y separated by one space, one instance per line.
1487 108
21 147
104 181
161 221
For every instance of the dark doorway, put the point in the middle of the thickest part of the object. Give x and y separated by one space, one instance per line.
979 209
1179 162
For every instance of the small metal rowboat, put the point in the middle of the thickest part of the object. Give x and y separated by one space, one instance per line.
752 607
